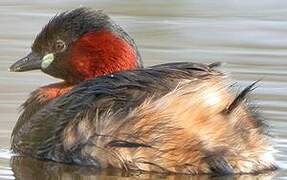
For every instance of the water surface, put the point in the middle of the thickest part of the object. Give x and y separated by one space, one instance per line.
249 36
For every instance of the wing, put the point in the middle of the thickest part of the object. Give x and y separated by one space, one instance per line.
118 93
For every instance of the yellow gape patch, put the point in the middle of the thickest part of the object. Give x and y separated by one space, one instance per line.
47 60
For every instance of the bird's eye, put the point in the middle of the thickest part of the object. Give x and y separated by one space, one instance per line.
60 46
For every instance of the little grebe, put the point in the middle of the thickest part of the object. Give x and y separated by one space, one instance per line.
111 112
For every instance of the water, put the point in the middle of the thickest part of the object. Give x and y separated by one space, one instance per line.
249 36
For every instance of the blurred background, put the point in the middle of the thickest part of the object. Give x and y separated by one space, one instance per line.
250 37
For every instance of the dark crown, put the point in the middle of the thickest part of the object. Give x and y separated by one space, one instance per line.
70 25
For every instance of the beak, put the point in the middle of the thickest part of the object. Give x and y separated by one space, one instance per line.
28 63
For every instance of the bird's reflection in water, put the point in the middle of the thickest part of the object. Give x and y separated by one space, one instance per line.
25 168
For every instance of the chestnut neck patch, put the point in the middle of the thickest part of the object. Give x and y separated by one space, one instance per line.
99 53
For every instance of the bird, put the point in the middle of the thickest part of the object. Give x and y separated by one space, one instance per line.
109 111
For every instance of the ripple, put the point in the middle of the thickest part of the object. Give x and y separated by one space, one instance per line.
5 154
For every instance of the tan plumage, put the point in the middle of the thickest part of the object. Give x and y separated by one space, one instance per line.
173 136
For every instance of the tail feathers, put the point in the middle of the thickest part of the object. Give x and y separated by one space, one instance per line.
240 98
